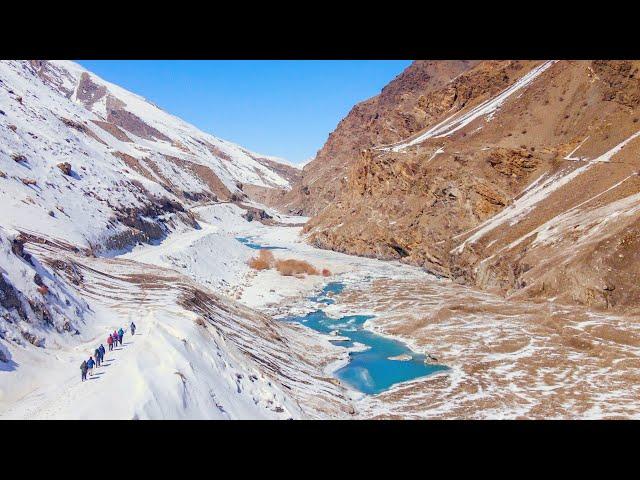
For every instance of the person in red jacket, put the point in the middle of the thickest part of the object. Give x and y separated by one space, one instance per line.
110 342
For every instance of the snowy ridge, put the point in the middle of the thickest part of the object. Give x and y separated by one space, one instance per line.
44 124
241 165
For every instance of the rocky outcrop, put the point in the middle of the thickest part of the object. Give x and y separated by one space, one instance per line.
65 167
10 298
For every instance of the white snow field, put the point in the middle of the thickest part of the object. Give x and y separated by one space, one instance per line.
32 127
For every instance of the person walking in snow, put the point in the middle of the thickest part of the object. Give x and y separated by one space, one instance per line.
133 328
110 342
83 369
120 335
90 364
115 339
102 352
96 355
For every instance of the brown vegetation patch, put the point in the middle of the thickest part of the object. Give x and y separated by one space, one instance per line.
264 261
295 267
288 267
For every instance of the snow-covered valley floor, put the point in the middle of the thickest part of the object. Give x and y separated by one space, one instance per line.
211 344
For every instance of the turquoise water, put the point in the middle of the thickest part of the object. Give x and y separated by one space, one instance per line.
368 371
256 246
333 287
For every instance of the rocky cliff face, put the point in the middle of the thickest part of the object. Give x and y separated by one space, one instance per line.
520 177
399 111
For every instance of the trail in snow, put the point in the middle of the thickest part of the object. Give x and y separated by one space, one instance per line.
96 384
457 121
70 391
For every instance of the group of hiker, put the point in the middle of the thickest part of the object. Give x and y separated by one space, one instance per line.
97 358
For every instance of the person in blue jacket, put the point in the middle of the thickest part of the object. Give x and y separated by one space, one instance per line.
90 364
120 335
102 352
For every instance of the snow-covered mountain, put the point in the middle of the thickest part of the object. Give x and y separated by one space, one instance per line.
66 134
88 171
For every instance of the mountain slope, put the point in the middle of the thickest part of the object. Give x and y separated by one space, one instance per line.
399 111
66 135
524 181
85 163
195 354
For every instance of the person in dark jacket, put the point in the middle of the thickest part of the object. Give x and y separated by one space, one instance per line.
83 369
133 328
120 335
90 364
110 342
96 354
102 352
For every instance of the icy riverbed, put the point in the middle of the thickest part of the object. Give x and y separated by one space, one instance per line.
372 362
376 363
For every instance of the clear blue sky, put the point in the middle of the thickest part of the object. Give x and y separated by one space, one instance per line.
282 108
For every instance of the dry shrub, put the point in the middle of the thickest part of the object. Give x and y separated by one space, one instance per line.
43 290
200 321
290 267
263 261
295 267
326 272
29 181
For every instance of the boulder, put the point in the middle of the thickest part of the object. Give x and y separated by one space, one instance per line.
65 167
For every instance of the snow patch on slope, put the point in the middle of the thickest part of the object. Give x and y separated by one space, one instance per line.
488 108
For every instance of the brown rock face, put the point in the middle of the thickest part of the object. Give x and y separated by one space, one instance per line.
520 177
399 111
118 115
